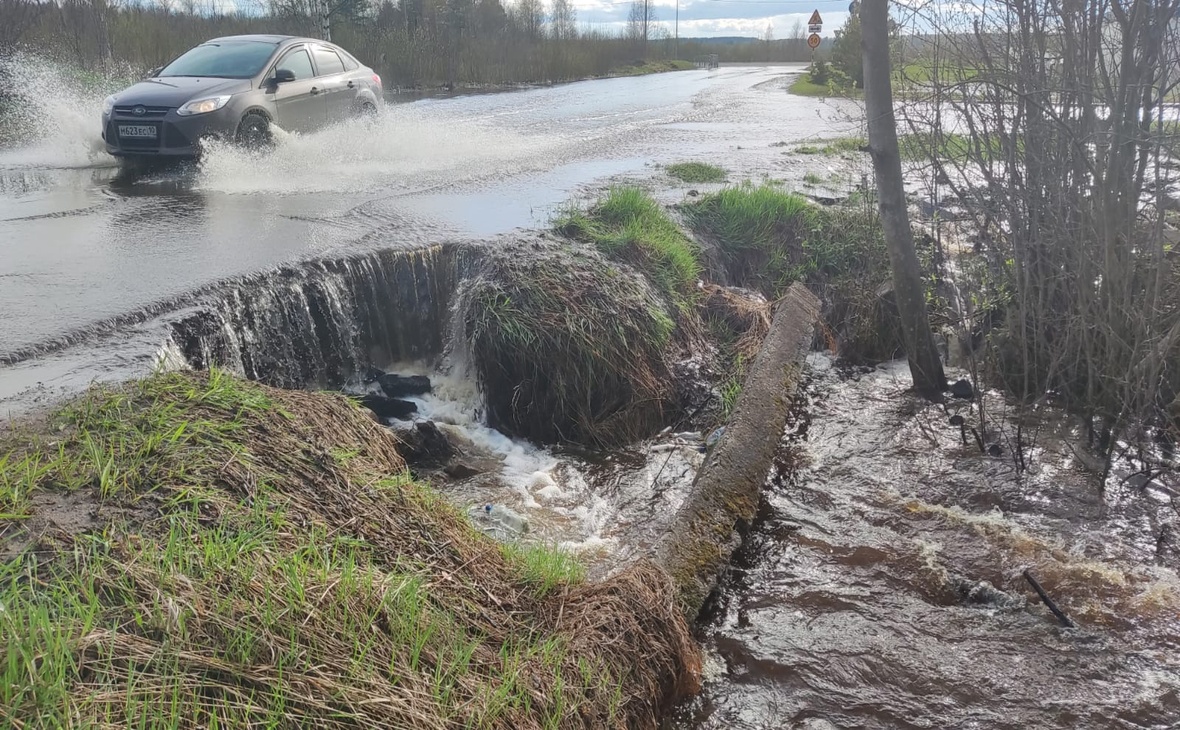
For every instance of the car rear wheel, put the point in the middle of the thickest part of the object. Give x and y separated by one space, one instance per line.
254 132
368 110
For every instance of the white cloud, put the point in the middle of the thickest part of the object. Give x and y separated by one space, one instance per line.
710 18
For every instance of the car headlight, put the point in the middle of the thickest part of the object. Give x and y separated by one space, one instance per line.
203 106
108 105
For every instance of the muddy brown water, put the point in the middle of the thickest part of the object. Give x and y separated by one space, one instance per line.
856 602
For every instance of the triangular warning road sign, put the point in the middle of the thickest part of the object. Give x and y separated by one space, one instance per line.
815 19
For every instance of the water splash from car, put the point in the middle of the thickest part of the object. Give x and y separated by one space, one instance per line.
50 116
400 149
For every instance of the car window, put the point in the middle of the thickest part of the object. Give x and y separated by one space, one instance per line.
350 63
327 61
299 63
232 60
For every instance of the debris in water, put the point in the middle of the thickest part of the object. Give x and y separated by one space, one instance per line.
1065 620
499 521
714 437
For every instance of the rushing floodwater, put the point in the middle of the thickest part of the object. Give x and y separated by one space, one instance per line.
884 587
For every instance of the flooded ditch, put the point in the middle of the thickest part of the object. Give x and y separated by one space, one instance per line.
883 585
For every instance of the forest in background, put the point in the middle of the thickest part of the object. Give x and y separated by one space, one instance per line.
410 43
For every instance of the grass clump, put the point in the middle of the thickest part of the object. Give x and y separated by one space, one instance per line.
771 239
631 226
191 553
570 348
652 67
696 172
837 146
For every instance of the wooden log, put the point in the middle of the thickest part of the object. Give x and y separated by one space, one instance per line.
1065 620
696 548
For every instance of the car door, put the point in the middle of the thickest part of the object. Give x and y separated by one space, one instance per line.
339 96
301 104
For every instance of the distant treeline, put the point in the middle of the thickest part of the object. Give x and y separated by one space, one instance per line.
409 42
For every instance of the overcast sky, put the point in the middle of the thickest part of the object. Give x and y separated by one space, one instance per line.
719 17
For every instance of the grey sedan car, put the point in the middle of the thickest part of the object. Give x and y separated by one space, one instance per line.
235 88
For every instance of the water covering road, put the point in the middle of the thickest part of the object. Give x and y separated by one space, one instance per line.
83 241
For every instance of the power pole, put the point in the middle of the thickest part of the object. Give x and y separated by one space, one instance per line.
676 32
908 288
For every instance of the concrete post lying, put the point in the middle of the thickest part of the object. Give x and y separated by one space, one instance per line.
724 496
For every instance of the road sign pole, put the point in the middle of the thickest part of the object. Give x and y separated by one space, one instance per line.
815 25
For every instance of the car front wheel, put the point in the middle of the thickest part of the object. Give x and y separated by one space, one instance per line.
254 132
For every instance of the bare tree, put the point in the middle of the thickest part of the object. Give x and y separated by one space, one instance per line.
564 18
1062 158
908 287
639 22
532 16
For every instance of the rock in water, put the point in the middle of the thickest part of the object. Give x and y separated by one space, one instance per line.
425 445
399 386
962 388
388 407
461 470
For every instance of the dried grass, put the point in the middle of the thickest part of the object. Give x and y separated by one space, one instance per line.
268 563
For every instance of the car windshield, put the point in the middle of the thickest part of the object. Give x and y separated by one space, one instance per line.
235 60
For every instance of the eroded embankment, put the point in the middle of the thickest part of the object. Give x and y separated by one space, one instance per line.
194 550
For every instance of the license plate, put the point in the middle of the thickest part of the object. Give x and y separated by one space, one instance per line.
141 131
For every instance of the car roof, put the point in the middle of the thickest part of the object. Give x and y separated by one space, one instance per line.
265 38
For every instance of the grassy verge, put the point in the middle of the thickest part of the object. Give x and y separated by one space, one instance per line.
771 238
696 172
652 67
804 86
570 348
629 225
196 551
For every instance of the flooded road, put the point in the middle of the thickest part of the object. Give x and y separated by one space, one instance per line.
85 243
884 589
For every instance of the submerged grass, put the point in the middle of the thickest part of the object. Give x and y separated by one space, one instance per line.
189 551
696 172
771 238
628 224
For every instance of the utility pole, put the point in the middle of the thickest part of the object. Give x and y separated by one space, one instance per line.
676 32
908 288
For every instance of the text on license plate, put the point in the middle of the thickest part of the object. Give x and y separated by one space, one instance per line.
137 130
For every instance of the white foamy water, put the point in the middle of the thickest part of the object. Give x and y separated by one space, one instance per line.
57 122
550 491
402 148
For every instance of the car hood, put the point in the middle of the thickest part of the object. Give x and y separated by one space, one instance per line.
176 90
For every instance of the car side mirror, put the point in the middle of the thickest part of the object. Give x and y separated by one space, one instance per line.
283 75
